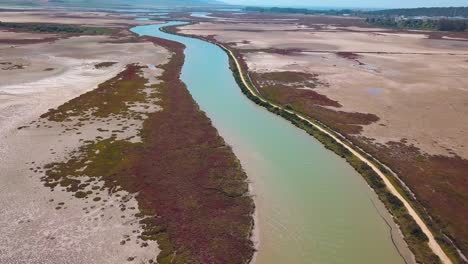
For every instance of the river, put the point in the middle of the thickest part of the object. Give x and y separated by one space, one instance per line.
312 207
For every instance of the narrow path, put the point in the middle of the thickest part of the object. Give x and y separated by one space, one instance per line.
432 242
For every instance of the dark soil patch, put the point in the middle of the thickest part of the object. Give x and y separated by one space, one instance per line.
104 64
54 28
288 51
8 66
350 56
291 77
26 41
344 122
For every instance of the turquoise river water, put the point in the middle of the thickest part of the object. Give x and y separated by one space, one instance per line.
312 207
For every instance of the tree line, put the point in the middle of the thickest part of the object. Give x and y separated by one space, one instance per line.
409 12
392 17
430 24
424 11
55 28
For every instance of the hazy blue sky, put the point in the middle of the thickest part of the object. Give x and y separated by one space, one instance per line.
352 3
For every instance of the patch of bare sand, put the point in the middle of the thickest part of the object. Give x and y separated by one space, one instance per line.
24 35
454 38
41 226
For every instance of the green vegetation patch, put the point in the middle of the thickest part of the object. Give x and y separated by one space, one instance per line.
428 24
424 11
56 28
106 159
113 97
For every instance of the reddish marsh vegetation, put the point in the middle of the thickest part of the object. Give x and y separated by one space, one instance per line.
191 189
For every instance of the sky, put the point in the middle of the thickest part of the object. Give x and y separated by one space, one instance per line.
353 3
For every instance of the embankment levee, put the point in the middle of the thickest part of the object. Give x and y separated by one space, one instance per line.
408 214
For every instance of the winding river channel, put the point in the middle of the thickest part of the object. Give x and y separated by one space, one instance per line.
312 207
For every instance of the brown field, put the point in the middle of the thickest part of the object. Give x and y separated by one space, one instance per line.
401 95
106 158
